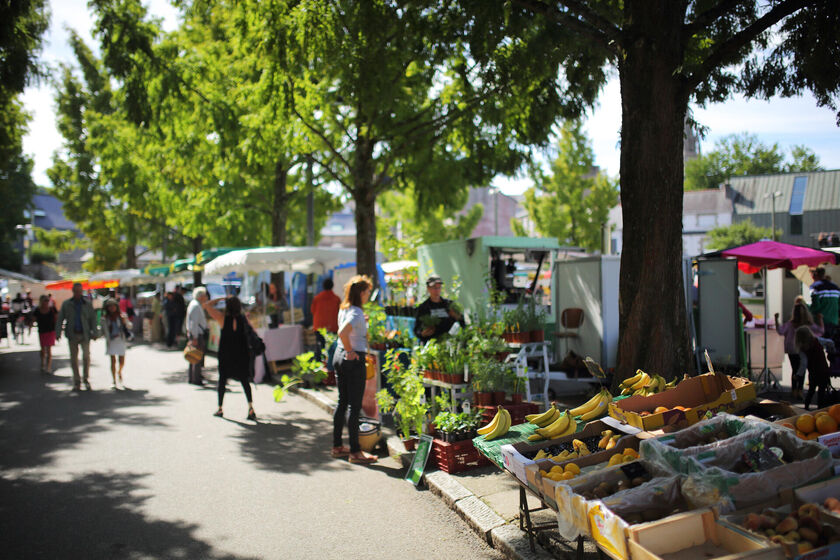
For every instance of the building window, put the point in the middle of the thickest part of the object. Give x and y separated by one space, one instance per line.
797 198
796 224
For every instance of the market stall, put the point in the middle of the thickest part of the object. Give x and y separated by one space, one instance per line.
693 469
281 343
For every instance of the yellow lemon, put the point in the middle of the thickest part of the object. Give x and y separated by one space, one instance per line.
572 468
615 459
567 475
556 468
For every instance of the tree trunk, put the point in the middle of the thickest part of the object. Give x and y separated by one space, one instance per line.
196 249
652 321
279 216
364 195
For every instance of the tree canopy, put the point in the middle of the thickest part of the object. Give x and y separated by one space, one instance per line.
743 154
737 234
573 201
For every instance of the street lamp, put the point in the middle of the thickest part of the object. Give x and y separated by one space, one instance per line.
26 229
773 197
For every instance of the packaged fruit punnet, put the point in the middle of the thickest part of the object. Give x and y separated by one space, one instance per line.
575 497
686 450
749 471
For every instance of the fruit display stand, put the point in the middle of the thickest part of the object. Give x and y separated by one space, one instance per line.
811 426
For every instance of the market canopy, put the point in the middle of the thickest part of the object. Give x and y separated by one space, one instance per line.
118 275
307 260
774 254
396 266
87 284
17 276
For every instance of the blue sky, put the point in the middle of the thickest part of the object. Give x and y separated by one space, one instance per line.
786 122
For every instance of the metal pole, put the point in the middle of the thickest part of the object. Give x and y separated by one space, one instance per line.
766 369
310 205
496 210
773 230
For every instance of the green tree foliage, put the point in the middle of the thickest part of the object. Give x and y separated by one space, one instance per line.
743 154
22 25
737 234
573 201
389 99
666 54
403 226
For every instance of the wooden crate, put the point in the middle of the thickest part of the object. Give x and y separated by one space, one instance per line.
457 457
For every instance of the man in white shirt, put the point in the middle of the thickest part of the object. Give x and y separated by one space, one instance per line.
197 332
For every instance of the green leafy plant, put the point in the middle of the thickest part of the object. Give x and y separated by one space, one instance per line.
287 383
308 369
329 337
376 322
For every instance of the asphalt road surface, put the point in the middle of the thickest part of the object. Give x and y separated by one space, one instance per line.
148 472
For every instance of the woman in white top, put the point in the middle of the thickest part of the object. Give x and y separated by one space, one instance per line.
349 362
114 325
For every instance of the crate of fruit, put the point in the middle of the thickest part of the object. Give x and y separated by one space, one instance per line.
458 456
822 425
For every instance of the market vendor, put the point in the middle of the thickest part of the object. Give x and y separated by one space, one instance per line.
436 315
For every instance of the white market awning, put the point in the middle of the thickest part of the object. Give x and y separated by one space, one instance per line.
307 260
396 266
118 275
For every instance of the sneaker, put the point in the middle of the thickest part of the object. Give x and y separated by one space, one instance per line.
76 388
87 386
113 386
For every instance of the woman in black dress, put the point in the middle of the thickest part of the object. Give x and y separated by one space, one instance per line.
234 358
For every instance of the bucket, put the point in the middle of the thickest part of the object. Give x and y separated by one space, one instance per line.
369 433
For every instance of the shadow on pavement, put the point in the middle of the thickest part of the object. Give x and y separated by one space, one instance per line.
290 442
40 416
92 516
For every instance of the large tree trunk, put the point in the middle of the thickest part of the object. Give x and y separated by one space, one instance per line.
652 321
364 195
279 215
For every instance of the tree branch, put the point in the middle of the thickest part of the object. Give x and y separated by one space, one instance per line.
593 26
729 48
320 135
705 19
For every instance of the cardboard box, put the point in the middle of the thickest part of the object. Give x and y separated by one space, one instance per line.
573 507
516 462
766 409
697 536
817 493
546 486
711 391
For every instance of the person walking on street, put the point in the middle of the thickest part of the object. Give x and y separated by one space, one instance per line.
324 310
114 326
45 316
80 329
812 358
197 332
800 316
350 368
234 356
825 300
176 310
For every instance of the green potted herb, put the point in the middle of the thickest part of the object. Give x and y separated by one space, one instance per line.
310 371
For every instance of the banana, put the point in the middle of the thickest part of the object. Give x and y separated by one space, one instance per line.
671 384
493 423
502 428
644 380
613 441
627 391
558 426
529 417
605 439
571 429
535 437
596 412
545 418
555 414
541 454
632 380
589 405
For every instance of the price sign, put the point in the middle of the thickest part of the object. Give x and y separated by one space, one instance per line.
418 465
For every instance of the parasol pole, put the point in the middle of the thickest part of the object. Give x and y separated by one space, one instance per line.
766 369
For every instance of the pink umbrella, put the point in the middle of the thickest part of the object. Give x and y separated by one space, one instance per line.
773 254
764 255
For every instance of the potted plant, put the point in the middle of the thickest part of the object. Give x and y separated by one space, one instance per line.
535 321
517 386
480 374
310 371
409 408
377 332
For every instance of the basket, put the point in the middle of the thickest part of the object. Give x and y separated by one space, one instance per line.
457 457
369 433
192 354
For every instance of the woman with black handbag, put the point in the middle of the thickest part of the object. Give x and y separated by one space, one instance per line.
234 353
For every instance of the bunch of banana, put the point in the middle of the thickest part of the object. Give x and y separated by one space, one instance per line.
499 426
580 447
544 419
594 407
645 384
564 455
562 426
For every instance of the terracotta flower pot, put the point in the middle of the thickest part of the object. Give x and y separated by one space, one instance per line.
498 397
483 398
509 336
410 443
516 398
537 336
456 379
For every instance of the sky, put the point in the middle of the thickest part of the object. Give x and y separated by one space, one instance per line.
786 122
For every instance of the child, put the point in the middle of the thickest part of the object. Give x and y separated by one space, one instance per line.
812 357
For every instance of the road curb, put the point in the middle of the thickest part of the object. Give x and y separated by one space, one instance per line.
508 538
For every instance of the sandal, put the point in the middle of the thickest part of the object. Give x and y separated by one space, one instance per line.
251 414
218 413
363 459
338 452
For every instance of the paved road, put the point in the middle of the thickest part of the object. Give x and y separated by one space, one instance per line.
150 473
